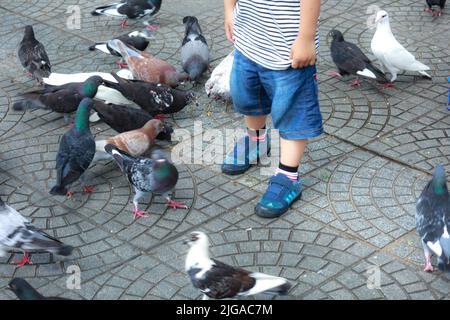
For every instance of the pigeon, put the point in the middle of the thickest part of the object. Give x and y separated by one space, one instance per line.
62 99
146 67
156 175
390 53
218 85
194 51
350 60
16 232
24 291
135 39
123 119
433 221
76 152
218 280
153 98
136 142
131 9
431 3
33 57
104 93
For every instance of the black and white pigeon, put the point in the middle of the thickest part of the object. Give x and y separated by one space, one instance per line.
24 291
135 39
61 99
431 3
433 221
195 55
218 280
124 119
390 53
156 99
16 232
147 176
33 57
76 152
350 60
129 9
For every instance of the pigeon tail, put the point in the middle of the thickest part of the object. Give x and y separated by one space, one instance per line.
65 250
125 51
423 73
281 290
58 191
28 104
268 284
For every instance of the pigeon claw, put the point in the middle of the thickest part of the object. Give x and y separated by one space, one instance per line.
176 205
152 27
121 64
355 83
160 117
24 261
124 23
139 214
334 74
428 268
388 85
428 10
88 189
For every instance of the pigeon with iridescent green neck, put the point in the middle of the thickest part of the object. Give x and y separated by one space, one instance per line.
61 99
76 151
433 221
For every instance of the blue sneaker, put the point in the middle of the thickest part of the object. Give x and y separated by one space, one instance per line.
245 153
280 195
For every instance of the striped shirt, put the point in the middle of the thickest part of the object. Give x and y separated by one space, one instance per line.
265 31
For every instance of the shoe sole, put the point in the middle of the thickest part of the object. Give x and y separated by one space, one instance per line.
268 214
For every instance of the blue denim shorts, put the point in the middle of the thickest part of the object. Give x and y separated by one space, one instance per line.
290 96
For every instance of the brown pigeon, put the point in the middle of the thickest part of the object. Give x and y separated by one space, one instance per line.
136 142
147 67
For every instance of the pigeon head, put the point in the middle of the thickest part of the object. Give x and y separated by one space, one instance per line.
336 35
29 32
83 111
197 238
90 86
155 125
382 17
23 290
439 182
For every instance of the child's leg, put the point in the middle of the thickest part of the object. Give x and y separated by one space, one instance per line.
255 122
296 114
292 151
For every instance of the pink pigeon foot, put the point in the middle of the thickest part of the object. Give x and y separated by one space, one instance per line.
334 74
24 261
138 213
28 74
428 267
88 189
429 10
437 13
388 85
176 205
122 64
152 27
124 23
355 83
160 117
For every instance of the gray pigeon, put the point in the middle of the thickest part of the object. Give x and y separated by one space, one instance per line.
194 51
218 280
33 57
155 175
16 232
433 221
76 152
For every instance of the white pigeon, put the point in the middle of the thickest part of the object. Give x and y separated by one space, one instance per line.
218 85
390 53
104 93
16 232
218 280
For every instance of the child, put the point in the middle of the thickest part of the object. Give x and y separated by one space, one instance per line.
274 73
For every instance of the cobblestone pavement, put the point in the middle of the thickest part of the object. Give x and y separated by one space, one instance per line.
362 177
